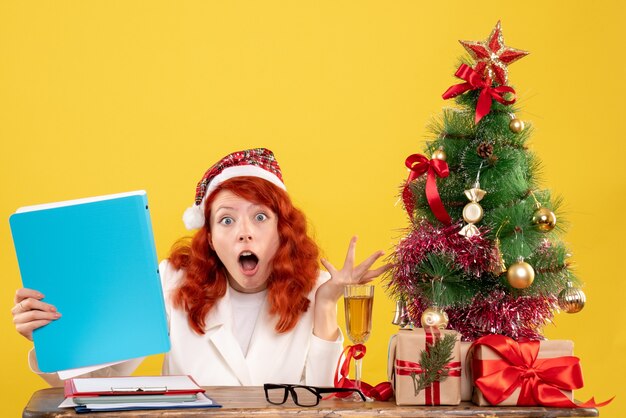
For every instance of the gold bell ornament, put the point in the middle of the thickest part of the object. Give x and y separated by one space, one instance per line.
571 299
544 219
520 275
434 317
472 212
401 315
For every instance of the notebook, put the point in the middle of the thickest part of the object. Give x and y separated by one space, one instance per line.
95 260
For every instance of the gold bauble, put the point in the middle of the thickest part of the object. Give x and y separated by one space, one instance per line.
472 212
520 275
572 299
439 154
434 318
544 219
516 125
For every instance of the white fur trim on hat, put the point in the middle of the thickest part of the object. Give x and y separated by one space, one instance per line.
194 215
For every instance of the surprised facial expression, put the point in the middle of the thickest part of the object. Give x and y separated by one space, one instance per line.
245 237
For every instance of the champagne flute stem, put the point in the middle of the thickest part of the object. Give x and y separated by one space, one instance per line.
357 373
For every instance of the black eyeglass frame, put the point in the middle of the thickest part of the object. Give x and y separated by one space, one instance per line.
317 391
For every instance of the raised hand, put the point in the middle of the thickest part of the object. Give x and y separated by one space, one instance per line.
349 274
325 322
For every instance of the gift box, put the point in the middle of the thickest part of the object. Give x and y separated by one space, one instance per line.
404 368
505 372
467 385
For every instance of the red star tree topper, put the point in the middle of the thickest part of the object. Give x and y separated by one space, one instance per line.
492 56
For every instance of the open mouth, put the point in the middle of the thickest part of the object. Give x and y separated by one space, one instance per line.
248 261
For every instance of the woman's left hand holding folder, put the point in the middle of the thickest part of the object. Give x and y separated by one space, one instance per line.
30 313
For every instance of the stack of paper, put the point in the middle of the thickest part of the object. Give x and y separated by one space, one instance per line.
132 393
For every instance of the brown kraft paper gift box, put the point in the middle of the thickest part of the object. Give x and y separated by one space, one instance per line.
547 349
466 376
406 347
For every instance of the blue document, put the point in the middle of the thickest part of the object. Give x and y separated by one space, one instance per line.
95 260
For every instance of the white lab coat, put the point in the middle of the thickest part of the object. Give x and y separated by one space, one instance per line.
216 359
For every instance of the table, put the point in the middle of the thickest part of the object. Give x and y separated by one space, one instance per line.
250 401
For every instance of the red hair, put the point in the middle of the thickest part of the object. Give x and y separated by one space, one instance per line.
294 266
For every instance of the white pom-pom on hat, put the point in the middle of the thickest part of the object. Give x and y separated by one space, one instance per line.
258 162
193 217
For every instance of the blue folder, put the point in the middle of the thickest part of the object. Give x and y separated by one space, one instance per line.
95 260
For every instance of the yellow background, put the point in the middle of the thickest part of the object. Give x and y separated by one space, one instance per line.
100 97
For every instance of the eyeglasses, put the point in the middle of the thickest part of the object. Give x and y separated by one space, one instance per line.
302 395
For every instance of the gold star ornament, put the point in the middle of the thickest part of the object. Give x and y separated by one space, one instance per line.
492 56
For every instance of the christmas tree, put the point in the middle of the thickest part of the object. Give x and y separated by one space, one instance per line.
483 253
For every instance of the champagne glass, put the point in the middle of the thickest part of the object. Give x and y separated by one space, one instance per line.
358 303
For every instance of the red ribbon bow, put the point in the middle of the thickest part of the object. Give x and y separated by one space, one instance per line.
381 392
540 380
419 164
474 81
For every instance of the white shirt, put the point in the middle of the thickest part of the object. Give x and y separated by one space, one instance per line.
246 310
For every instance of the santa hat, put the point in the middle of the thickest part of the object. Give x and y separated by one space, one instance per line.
257 162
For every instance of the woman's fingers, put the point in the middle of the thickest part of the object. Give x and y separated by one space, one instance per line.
27 322
30 304
34 316
24 293
349 261
328 266
346 271
354 275
359 274
28 299
367 263
372 274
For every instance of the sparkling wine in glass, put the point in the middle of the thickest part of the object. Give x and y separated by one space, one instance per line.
358 304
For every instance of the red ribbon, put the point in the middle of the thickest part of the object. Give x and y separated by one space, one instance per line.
540 380
475 81
381 392
431 396
405 368
419 164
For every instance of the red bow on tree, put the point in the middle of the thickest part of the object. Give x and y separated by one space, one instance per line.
474 81
540 380
419 164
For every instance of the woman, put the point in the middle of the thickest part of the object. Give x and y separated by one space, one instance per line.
245 300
